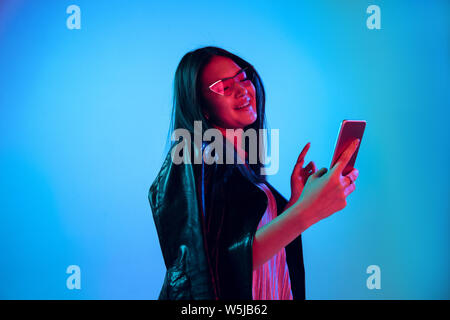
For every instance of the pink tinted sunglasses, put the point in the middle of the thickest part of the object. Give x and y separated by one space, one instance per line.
225 86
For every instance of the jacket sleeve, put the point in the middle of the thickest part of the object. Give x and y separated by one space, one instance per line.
173 201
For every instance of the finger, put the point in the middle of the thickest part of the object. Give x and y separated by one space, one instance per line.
346 156
353 175
349 189
346 181
319 173
309 170
349 178
310 167
302 155
301 159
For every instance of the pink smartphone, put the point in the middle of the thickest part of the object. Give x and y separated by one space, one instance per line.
349 131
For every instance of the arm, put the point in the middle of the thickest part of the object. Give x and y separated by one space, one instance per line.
324 193
287 226
279 232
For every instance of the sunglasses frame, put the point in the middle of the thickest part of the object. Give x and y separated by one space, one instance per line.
224 79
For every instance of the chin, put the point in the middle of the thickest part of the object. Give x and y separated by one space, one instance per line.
251 120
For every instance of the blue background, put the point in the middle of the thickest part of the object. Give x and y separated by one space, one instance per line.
84 116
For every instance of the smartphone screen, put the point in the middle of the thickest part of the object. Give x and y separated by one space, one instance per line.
349 131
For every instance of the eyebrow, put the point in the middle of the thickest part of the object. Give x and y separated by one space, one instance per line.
242 69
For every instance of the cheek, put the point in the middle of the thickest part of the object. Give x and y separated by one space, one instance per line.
252 93
209 103
217 107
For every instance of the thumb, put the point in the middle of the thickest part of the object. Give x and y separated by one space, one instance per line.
319 173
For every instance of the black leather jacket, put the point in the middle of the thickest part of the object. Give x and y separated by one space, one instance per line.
206 216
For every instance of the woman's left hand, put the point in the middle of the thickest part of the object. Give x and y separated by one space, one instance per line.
300 175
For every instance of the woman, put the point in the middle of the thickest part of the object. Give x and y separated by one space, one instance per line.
224 231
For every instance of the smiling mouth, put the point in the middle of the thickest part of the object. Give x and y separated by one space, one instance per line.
243 106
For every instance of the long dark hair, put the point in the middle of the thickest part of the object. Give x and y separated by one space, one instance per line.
188 101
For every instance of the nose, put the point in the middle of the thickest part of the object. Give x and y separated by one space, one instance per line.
240 90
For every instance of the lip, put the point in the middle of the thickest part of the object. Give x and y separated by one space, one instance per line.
245 103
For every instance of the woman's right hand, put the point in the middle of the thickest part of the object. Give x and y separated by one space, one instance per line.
326 192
